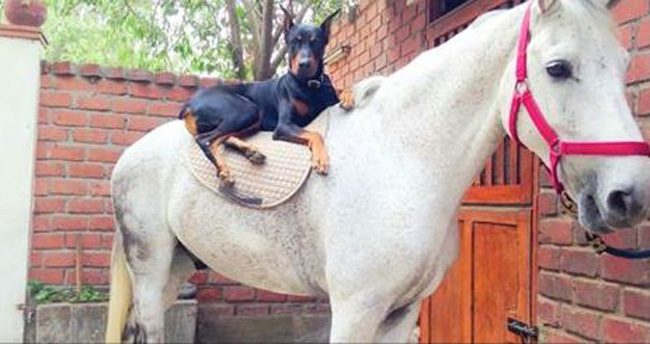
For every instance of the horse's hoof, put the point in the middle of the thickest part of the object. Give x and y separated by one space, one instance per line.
256 158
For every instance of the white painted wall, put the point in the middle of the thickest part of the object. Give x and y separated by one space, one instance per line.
19 90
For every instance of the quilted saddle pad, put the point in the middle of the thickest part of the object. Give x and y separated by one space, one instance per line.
285 170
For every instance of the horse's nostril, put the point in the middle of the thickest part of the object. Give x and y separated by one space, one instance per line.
620 202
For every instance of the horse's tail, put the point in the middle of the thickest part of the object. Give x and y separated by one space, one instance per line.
121 293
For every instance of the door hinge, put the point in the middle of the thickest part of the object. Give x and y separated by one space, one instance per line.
522 329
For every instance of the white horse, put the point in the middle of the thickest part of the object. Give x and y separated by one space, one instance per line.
378 234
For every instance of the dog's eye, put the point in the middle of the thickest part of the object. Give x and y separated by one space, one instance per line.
560 69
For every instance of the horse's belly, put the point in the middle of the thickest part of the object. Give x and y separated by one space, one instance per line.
263 249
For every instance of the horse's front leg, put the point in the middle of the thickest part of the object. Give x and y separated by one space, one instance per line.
356 320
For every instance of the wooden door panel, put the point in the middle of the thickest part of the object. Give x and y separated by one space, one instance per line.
488 283
501 281
449 310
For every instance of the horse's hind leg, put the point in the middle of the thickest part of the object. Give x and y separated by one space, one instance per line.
356 321
251 152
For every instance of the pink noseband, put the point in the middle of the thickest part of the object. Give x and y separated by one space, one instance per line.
558 148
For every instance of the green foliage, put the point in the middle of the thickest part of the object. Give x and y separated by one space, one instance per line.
42 294
174 35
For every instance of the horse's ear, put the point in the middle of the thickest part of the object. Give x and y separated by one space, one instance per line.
546 6
287 24
327 24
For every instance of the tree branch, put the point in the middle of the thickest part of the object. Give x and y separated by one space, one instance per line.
236 49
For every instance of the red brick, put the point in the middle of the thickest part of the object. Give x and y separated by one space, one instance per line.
597 295
139 75
47 276
40 240
90 136
625 36
579 261
619 330
179 94
548 257
55 99
90 70
296 298
97 103
581 322
209 82
86 240
556 231
287 309
41 187
238 293
100 188
95 276
107 121
35 259
165 79
74 84
48 169
59 259
557 337
643 105
85 207
58 152
43 115
111 87
627 10
148 91
142 123
67 187
623 238
48 205
255 309
268 296
115 73
547 202
104 154
94 259
547 311
555 286
164 109
62 68
639 68
199 277
211 294
46 81
625 270
70 223
52 133
70 118
644 236
188 81
41 223
636 303
130 106
122 138
101 223
86 170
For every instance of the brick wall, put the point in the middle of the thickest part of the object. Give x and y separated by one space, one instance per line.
582 296
88 116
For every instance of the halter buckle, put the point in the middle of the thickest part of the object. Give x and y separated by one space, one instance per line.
596 242
521 87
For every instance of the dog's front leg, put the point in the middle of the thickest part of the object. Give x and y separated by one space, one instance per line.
287 131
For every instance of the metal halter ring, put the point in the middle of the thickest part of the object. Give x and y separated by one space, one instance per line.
568 203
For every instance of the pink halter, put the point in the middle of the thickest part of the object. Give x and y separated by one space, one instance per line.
558 148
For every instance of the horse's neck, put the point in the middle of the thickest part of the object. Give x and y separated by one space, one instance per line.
442 108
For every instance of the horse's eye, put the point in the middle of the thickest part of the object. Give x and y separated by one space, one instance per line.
560 69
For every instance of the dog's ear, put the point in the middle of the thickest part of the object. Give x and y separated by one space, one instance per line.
287 24
327 24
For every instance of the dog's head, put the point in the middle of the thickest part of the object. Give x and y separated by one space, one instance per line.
306 45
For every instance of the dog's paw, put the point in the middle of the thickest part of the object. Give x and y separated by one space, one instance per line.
321 164
347 100
226 178
256 158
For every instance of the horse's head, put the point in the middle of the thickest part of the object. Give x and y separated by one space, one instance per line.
576 70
